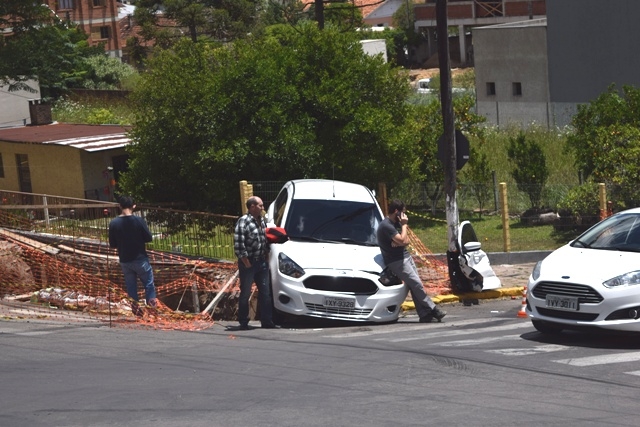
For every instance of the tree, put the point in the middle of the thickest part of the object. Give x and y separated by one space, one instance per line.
297 103
606 142
530 168
166 21
105 72
428 119
40 47
477 178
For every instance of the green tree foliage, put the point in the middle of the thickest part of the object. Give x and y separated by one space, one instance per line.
606 143
477 177
529 167
298 103
105 72
428 120
40 47
166 21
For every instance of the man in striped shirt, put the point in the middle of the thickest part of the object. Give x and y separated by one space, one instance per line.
251 248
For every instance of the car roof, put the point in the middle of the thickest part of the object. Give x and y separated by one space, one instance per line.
327 189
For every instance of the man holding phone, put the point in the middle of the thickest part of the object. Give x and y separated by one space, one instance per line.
393 239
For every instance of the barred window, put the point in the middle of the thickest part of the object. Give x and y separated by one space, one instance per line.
65 4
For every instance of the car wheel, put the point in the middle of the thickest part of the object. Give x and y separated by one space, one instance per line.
546 327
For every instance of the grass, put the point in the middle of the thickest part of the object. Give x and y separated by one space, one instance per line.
489 230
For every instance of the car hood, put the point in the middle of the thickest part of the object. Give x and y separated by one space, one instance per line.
339 256
592 266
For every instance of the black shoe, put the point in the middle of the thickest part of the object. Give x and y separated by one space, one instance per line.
426 319
270 326
244 327
438 314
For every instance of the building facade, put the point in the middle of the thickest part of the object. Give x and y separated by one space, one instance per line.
98 18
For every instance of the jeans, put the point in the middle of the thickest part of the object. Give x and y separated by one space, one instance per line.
407 271
133 270
258 273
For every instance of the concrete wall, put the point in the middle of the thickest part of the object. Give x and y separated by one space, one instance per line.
14 106
591 45
508 54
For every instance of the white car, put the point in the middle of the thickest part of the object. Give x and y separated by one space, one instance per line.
330 266
594 281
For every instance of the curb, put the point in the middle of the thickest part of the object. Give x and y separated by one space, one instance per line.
451 298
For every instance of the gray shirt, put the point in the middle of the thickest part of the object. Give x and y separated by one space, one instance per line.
385 233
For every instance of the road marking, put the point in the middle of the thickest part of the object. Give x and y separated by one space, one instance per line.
601 360
394 329
529 351
450 332
478 341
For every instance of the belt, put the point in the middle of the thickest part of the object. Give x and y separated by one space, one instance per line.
257 258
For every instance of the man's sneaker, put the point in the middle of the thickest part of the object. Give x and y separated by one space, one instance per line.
438 314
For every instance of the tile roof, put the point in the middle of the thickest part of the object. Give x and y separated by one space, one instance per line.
83 137
368 6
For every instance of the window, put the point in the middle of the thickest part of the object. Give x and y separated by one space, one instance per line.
1 167
65 4
98 33
491 88
517 89
97 3
24 176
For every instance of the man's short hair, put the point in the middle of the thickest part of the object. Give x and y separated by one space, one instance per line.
396 205
126 202
253 200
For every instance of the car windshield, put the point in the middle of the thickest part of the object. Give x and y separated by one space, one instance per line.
333 220
619 232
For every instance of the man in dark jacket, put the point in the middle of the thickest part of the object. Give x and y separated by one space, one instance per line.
129 234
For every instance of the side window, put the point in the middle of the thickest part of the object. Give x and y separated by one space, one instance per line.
491 88
279 206
1 167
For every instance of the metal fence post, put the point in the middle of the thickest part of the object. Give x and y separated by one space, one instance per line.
505 217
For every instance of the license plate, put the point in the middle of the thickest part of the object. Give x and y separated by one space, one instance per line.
558 302
339 302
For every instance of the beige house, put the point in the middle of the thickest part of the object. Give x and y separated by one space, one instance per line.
80 161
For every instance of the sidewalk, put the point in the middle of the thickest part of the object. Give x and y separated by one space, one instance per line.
513 277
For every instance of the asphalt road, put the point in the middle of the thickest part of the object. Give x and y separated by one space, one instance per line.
483 366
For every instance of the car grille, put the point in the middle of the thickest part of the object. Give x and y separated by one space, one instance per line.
569 315
319 309
349 285
585 294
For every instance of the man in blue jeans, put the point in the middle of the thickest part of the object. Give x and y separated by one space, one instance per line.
251 247
129 234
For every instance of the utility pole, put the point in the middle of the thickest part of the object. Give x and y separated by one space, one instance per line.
448 120
319 11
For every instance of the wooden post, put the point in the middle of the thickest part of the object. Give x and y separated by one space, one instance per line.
246 191
602 190
382 198
504 207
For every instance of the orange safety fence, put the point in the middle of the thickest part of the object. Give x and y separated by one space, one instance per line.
71 279
433 272
80 280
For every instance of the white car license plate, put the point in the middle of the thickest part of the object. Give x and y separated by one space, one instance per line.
562 303
339 302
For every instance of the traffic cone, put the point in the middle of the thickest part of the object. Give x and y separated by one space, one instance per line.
522 312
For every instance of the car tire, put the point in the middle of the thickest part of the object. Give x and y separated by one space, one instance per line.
546 327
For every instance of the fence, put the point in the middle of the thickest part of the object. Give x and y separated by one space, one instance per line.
55 255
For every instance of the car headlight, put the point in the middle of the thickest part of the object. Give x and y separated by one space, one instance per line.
536 270
627 279
288 267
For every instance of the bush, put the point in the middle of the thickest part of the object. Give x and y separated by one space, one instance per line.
580 208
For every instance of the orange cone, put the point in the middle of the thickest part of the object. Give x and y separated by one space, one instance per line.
523 312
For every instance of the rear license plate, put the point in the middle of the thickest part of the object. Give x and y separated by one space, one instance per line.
558 302
339 302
